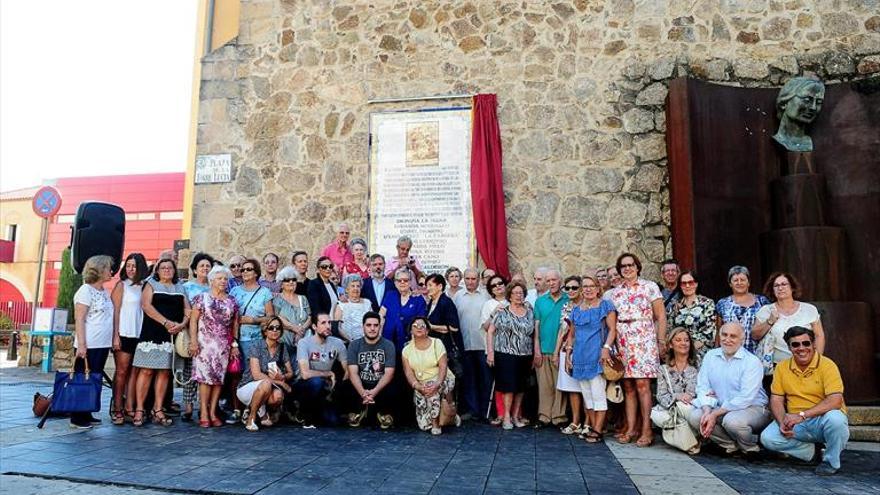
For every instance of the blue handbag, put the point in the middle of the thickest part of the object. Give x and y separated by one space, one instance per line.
77 391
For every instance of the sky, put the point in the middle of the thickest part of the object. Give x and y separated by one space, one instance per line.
94 87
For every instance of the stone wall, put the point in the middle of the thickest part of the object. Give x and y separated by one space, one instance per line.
581 87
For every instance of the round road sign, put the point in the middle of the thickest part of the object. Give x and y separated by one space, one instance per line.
46 202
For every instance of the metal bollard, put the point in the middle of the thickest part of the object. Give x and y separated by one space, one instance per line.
12 354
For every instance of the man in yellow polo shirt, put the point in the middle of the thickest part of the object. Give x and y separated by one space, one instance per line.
807 405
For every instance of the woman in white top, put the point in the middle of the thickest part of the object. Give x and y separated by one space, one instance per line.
128 316
774 319
351 313
496 286
93 315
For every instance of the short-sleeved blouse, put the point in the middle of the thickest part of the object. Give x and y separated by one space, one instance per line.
730 311
805 316
353 317
252 303
683 382
261 353
425 363
514 334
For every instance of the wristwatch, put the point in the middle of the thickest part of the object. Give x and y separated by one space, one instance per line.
234 344
606 346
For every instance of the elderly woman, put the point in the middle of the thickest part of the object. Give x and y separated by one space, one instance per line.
265 378
199 267
351 313
93 318
594 330
212 329
425 367
255 303
695 312
127 320
509 349
453 282
235 267
677 385
741 305
360 265
166 311
321 291
399 309
293 309
784 312
641 331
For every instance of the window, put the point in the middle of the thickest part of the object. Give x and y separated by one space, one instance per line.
11 232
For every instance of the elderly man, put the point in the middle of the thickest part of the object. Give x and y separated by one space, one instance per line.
376 286
339 251
548 313
730 408
235 267
669 271
540 287
405 259
807 405
476 388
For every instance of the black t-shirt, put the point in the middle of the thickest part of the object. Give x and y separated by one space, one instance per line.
371 359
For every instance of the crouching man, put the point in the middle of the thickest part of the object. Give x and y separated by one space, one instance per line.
807 405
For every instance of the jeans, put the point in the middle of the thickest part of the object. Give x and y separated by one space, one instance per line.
476 388
96 359
314 404
831 428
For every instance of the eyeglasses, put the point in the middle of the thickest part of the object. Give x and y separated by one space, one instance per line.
235 265
288 280
627 265
419 325
401 280
344 232
591 286
571 287
273 328
325 267
780 285
248 269
497 284
797 344
688 283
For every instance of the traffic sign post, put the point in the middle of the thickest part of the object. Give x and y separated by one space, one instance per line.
46 203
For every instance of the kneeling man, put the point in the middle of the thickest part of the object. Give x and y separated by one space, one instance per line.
807 405
731 403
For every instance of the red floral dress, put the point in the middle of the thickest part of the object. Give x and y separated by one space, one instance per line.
636 335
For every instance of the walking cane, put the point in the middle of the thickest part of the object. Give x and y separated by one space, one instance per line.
491 400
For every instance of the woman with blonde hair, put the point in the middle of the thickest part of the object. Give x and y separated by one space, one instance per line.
93 317
677 384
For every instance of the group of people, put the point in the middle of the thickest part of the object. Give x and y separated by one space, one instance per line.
368 335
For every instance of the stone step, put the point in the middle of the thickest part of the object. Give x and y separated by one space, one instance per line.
863 415
864 433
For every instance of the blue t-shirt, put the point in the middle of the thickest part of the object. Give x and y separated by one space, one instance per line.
252 304
193 288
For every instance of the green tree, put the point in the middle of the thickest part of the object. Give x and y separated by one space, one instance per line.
68 283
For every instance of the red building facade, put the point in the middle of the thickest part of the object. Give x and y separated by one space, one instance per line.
153 205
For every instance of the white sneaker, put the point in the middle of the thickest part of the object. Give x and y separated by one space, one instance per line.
308 426
435 430
457 420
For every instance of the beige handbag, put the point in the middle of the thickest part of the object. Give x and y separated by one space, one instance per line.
181 343
614 392
677 432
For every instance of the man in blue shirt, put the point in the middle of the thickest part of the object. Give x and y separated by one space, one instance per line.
731 405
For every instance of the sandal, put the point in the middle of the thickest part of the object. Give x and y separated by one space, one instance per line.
520 422
497 421
217 422
593 437
160 418
571 429
138 421
204 423
627 437
117 418
645 441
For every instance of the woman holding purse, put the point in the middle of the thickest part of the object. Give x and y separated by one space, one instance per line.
677 384
93 312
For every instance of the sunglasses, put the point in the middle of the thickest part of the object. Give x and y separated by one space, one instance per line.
325 267
289 280
497 284
419 325
248 269
235 265
571 287
273 328
796 344
421 284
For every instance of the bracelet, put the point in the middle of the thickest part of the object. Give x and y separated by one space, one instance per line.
165 323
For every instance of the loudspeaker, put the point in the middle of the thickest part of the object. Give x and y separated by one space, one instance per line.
99 228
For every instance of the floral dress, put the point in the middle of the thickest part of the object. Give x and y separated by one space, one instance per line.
636 335
698 319
216 317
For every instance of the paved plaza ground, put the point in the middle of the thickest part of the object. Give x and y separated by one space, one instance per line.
474 459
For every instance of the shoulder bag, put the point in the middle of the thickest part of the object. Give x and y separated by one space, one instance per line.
77 391
677 432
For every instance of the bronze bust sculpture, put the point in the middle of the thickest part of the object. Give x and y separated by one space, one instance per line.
797 106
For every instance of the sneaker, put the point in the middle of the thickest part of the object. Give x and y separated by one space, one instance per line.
354 419
233 418
80 426
308 426
825 469
385 420
506 425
